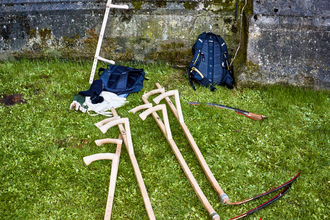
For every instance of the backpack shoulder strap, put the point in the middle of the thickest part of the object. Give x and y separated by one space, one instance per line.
223 46
224 50
222 43
199 43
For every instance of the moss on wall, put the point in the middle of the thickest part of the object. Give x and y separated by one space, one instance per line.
137 4
152 39
190 5
42 44
173 53
240 64
161 3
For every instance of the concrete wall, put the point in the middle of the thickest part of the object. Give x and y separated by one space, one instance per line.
289 42
282 42
149 30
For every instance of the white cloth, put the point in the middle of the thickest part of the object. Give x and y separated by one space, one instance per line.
110 100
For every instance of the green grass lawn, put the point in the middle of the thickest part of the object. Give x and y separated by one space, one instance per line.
43 143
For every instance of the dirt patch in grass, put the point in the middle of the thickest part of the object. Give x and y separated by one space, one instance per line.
12 99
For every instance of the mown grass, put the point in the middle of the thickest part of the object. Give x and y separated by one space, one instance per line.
43 144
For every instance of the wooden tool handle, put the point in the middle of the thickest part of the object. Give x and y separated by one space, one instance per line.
108 141
140 107
110 124
101 156
100 123
118 6
162 107
163 95
174 93
223 197
152 92
112 185
147 112
256 116
126 135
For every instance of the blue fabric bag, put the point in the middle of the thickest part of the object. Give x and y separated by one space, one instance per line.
122 79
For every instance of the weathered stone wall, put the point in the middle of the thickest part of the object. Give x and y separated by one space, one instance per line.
289 42
148 30
282 41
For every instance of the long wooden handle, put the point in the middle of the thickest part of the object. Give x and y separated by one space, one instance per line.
152 92
255 116
101 156
113 178
112 185
184 166
223 197
104 121
108 141
140 107
105 128
129 145
174 93
99 43
119 6
162 107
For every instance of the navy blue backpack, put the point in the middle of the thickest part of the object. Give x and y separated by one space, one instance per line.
122 79
209 65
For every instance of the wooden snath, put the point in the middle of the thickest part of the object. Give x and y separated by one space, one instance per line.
165 128
176 109
101 36
124 128
114 169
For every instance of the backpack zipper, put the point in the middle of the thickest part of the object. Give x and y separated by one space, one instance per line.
193 68
197 57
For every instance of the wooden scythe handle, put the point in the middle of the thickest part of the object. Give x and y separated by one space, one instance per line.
114 171
108 141
179 156
152 92
125 121
104 128
113 178
126 136
104 121
162 107
101 156
223 197
174 93
145 114
140 107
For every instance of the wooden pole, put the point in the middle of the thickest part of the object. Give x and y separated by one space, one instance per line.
99 43
126 134
114 170
178 114
165 128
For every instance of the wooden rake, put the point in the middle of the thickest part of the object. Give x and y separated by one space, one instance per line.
107 123
99 44
165 128
114 169
178 114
